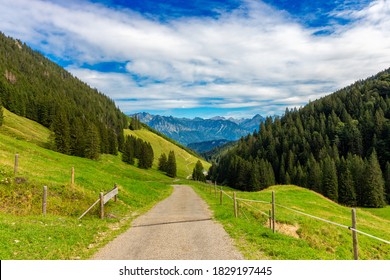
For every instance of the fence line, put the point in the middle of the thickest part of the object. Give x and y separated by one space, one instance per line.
250 200
369 235
272 215
256 209
314 217
227 195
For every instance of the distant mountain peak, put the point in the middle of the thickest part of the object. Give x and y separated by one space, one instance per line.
185 130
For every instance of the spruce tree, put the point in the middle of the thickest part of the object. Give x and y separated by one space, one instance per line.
329 179
162 162
314 175
128 151
197 173
77 138
112 142
171 165
347 194
373 184
61 129
92 150
387 182
356 166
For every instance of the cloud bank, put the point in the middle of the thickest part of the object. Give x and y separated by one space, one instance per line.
254 57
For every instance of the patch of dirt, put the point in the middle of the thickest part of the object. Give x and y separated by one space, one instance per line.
290 230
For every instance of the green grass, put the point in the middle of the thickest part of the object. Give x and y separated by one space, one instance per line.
26 234
313 239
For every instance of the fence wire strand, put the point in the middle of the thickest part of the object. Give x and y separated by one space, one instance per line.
369 235
256 201
256 209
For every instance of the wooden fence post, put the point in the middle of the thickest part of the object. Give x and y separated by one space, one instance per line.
115 197
220 196
270 219
354 236
16 164
44 200
273 211
101 205
72 177
235 204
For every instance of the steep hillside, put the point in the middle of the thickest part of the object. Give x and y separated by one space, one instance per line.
338 145
85 122
26 234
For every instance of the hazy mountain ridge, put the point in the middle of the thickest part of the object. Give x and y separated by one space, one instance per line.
187 131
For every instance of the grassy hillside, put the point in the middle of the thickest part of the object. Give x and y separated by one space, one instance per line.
185 162
26 234
298 236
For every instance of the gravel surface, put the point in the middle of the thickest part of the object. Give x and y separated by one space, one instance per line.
177 228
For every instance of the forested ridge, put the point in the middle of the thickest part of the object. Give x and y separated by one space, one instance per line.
338 145
84 121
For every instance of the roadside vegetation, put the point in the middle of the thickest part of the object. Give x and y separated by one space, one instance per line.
298 237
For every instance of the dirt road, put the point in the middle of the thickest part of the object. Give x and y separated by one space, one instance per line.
178 228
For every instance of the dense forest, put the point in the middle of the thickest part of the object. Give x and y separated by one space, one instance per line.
84 122
338 146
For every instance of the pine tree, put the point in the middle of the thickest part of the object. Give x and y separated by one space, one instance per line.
171 165
162 162
387 182
373 184
197 173
356 166
61 129
128 151
92 150
314 175
112 142
77 138
329 179
347 194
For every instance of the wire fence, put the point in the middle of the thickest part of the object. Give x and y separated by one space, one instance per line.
271 215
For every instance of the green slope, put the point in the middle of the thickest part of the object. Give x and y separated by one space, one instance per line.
26 234
298 236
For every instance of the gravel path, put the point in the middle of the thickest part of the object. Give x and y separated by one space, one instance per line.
177 228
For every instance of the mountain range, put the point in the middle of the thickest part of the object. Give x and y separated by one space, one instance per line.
199 130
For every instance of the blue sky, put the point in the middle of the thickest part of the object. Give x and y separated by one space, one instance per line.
206 58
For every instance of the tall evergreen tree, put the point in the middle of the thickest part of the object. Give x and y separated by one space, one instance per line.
347 194
329 179
61 129
112 142
373 184
77 138
92 150
387 182
314 175
162 162
128 151
171 165
197 173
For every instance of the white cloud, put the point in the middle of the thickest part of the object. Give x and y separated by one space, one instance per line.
254 56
